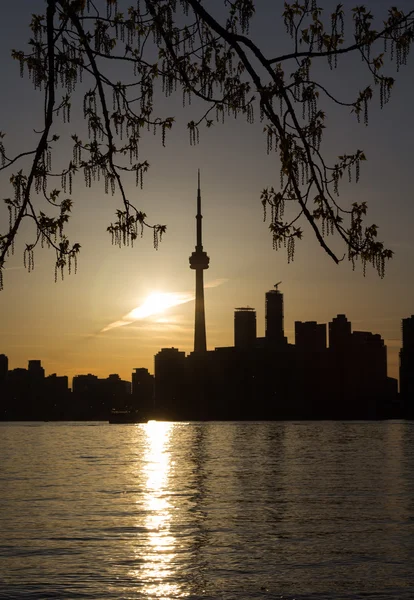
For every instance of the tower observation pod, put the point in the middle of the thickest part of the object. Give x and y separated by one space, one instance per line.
199 261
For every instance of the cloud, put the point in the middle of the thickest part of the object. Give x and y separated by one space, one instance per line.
157 303
215 283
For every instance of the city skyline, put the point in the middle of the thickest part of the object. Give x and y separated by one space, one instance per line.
246 329
333 372
63 323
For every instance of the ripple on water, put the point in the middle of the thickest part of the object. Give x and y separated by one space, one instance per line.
320 511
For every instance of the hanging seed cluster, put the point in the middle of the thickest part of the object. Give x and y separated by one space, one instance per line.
296 131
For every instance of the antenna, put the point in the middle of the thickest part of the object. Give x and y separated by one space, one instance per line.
198 195
199 217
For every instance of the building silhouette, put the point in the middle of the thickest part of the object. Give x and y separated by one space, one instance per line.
274 329
358 371
58 383
35 369
4 367
17 401
170 380
143 392
94 397
339 333
310 336
199 261
407 367
26 394
244 327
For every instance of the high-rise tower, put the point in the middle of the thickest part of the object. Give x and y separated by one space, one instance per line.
340 335
199 261
274 316
4 366
244 327
407 367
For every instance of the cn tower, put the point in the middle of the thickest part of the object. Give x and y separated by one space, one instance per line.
199 261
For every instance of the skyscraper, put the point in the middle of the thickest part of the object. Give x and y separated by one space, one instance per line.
244 327
36 371
408 333
407 367
274 316
170 384
4 366
199 261
143 392
310 336
339 333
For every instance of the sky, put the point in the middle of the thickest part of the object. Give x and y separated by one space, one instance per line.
69 324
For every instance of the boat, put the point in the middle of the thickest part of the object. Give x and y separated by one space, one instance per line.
125 416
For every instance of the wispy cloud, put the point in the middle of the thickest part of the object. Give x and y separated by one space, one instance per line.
215 283
157 303
154 304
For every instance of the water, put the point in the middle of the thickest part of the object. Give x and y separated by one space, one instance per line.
213 510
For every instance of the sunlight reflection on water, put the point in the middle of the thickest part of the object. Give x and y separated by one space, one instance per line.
158 564
236 511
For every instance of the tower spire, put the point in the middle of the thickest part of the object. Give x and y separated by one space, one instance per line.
199 261
199 217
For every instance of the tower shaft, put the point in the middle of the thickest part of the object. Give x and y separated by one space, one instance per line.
200 340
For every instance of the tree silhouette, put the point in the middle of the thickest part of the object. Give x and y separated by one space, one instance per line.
197 56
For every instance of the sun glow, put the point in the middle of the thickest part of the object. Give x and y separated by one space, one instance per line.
156 303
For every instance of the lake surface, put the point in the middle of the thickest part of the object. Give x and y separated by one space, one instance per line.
316 510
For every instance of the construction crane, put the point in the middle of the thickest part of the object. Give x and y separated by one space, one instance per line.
277 285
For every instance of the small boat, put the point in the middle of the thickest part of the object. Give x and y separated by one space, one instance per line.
125 416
